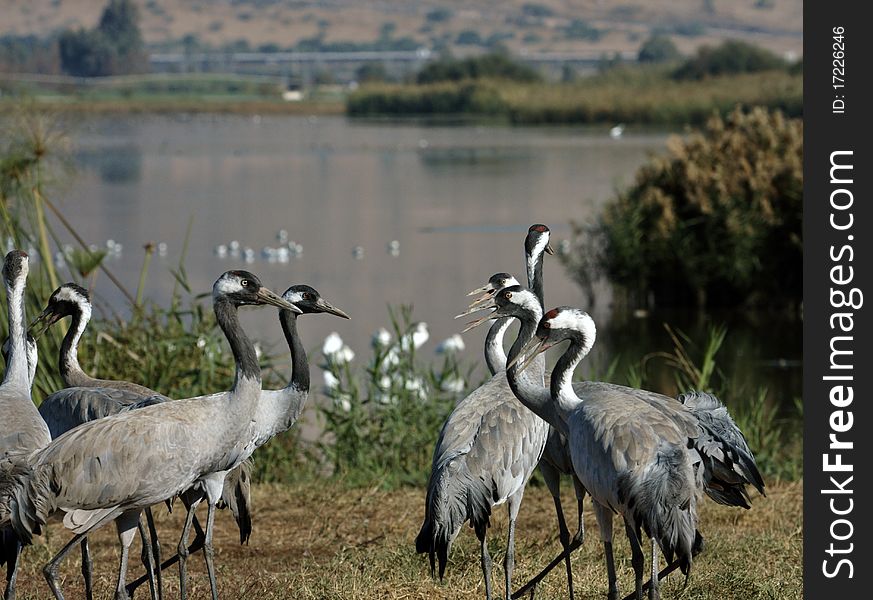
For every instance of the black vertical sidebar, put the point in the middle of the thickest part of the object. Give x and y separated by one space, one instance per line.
838 268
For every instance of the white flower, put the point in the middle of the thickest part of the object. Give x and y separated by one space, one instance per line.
381 338
201 342
333 343
344 403
345 355
451 345
384 383
330 381
391 359
385 398
453 384
418 336
417 386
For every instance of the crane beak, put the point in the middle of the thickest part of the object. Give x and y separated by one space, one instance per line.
549 249
47 318
530 351
325 306
484 289
475 323
476 307
273 299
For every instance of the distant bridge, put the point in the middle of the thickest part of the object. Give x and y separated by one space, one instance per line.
304 66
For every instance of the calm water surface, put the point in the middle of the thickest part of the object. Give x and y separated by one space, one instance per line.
457 199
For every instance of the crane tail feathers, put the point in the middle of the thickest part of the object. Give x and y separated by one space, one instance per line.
25 499
663 500
454 496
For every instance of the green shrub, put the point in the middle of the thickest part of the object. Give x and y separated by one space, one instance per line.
716 221
658 49
732 56
495 65
382 423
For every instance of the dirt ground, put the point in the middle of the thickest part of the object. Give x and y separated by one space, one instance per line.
324 540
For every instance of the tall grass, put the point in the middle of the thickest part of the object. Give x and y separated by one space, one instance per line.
625 96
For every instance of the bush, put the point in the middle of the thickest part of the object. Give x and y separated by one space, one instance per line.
114 47
717 221
733 56
495 65
382 422
658 49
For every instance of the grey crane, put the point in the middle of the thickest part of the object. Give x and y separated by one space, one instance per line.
114 467
556 456
721 460
87 398
278 410
23 429
486 452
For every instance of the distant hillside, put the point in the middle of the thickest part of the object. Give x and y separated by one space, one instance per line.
603 26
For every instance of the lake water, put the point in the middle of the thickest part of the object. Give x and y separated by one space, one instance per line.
458 199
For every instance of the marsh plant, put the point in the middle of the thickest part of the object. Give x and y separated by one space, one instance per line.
383 417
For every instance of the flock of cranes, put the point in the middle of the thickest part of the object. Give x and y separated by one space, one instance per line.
642 455
101 451
121 448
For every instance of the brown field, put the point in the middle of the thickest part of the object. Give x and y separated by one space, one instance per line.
328 541
626 23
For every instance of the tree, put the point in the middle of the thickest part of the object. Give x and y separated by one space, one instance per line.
732 56
658 49
114 47
715 222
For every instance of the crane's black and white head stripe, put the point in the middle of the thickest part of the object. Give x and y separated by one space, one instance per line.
15 267
515 301
240 287
498 281
567 323
537 240
309 301
69 299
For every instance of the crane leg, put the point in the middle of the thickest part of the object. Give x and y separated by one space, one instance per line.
148 560
553 481
604 524
127 525
654 590
486 560
513 504
637 558
87 569
12 569
208 551
183 548
50 570
156 552
580 498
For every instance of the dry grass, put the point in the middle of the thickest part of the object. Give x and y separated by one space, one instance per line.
327 541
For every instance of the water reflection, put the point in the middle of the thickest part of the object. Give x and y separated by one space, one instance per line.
456 199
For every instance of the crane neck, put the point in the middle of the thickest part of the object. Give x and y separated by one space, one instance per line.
528 386
561 384
17 369
534 263
248 371
299 382
68 363
495 355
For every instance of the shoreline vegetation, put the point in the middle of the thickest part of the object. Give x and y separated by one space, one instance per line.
639 96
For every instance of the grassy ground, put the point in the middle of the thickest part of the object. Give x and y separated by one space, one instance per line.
328 541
